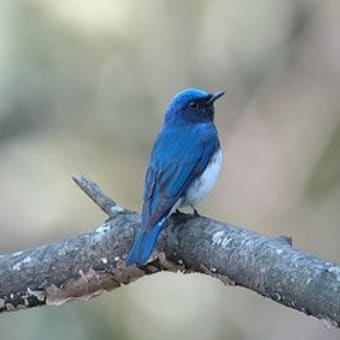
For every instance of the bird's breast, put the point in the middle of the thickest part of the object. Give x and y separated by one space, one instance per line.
203 184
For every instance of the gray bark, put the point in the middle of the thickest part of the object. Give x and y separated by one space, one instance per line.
86 265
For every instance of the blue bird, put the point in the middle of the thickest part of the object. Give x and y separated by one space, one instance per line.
184 165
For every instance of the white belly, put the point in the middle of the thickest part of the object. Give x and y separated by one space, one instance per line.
202 185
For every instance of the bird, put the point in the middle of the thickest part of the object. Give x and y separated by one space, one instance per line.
184 164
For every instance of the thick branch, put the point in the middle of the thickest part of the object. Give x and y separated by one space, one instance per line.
83 266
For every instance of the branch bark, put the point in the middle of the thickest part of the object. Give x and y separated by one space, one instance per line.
86 265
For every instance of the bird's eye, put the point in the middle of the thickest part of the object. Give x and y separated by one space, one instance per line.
193 105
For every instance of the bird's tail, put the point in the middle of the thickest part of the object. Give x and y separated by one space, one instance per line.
144 244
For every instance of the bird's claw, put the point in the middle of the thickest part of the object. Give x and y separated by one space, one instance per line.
195 212
177 212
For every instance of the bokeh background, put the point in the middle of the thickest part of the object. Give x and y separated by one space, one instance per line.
82 89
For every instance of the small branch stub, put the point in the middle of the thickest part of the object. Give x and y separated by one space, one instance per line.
92 190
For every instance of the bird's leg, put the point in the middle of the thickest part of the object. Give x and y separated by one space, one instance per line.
178 212
196 213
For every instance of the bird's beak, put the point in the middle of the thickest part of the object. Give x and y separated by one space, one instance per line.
215 96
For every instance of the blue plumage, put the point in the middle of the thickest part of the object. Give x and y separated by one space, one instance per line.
179 162
144 243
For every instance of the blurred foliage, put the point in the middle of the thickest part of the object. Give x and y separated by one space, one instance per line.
326 175
82 89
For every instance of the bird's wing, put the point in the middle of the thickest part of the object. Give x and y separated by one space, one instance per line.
177 159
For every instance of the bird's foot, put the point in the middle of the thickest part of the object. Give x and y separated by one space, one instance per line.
195 212
177 212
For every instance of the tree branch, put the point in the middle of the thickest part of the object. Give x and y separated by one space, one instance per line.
86 265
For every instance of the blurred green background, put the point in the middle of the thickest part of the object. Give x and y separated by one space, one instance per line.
82 89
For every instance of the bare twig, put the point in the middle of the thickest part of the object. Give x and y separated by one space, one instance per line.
93 191
83 266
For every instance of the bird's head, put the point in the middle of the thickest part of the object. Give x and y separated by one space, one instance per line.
192 105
